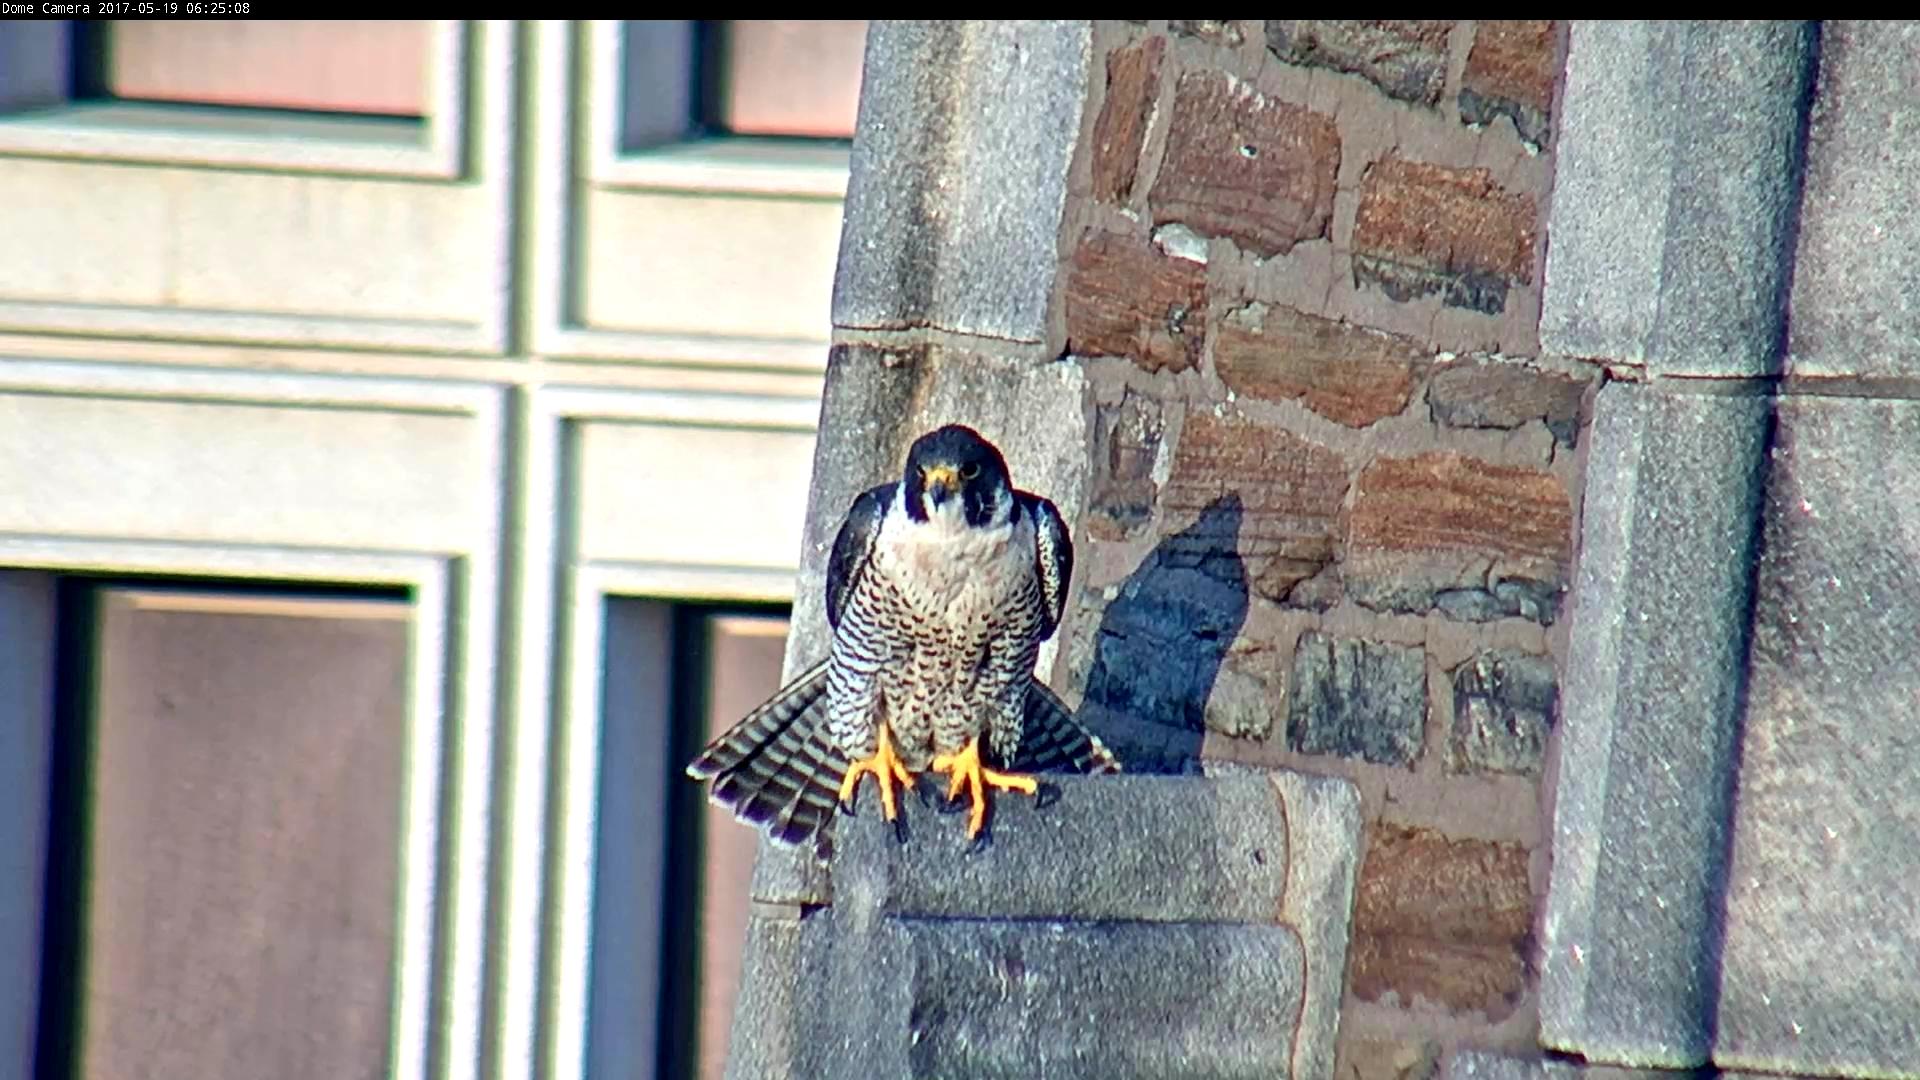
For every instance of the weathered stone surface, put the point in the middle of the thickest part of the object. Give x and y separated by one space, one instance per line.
1856 281
1120 131
1405 59
1424 229
1510 72
1216 31
1245 166
1486 1065
959 176
1218 854
1287 495
1505 395
1503 707
1649 712
1157 646
1349 374
1248 692
1359 699
1382 1059
997 959
1126 299
1473 539
1018 1000
1444 920
1821 937
1126 444
1676 181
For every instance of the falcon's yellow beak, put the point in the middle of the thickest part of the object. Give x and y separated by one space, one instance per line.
942 481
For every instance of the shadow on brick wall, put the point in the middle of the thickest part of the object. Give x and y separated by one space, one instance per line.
1162 640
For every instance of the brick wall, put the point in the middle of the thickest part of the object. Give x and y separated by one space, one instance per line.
1335 487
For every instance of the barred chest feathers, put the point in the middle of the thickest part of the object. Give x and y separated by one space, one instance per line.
952 573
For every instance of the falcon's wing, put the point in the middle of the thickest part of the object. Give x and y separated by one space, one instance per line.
853 547
1053 558
1053 741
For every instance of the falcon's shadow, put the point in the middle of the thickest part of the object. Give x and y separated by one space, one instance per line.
1161 643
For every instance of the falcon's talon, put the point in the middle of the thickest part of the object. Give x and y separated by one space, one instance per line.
887 770
900 829
980 843
974 777
1046 796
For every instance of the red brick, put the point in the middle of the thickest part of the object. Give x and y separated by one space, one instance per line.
1511 72
1345 373
1444 920
1124 298
1425 228
1245 166
1133 81
1406 59
1514 61
1290 493
1474 539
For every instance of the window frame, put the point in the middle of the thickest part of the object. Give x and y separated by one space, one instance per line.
583 62
228 137
544 1003
441 949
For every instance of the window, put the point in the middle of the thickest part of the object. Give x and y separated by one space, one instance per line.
707 201
222 883
386 95
340 66
754 77
670 904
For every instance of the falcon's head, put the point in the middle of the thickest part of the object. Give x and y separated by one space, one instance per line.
957 479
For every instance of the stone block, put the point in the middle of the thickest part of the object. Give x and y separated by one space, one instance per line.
1282 521
1127 441
1358 699
1503 395
1245 166
1503 707
1856 282
959 176
1676 180
1821 936
1649 713
1424 229
1475 540
1124 298
1120 131
1510 72
1406 59
1441 920
1349 374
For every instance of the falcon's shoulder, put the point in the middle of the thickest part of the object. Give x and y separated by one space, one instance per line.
853 546
1053 557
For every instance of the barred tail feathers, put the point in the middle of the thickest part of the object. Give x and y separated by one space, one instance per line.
1053 741
776 768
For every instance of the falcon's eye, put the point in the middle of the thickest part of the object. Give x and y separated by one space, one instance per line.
969 471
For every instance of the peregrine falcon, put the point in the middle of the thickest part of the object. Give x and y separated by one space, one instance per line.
940 590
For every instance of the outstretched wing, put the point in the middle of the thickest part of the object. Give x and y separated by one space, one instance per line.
1053 741
853 547
1053 558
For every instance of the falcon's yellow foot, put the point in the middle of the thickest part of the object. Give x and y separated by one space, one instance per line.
887 770
976 778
